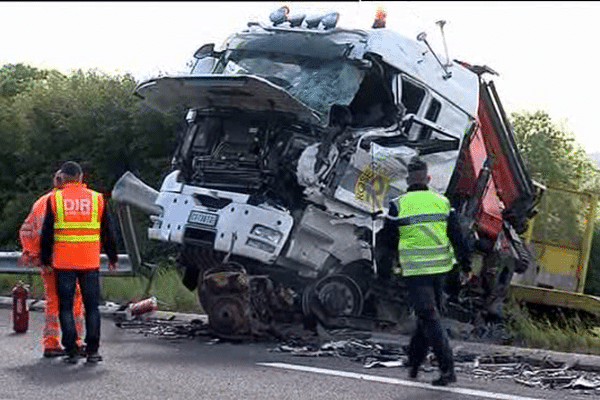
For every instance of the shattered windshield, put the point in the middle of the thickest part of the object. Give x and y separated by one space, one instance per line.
315 82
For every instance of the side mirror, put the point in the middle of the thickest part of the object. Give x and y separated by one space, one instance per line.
206 50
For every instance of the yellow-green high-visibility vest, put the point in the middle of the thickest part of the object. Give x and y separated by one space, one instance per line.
423 247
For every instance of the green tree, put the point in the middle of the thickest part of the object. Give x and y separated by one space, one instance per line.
552 153
16 78
87 116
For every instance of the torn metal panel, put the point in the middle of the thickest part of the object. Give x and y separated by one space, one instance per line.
318 236
307 173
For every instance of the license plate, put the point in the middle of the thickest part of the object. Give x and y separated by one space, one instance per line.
202 218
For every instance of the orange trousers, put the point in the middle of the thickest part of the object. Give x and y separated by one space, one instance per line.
52 333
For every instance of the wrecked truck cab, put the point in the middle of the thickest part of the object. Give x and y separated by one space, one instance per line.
295 137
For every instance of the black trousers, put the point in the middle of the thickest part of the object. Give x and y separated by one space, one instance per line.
89 283
424 293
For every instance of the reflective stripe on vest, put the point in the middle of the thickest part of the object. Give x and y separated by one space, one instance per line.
60 223
423 247
415 219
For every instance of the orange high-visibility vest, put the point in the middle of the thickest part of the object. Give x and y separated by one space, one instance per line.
30 235
31 232
77 215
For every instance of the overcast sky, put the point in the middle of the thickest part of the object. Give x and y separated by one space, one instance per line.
544 51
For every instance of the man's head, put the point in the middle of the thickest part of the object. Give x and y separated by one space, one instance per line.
56 180
417 172
71 172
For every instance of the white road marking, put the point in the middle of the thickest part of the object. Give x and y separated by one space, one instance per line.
383 379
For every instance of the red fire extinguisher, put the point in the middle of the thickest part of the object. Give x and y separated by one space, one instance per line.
20 293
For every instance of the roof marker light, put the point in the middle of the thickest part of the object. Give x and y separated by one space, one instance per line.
380 16
330 20
279 16
313 21
296 20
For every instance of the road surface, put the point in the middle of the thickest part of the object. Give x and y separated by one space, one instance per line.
152 368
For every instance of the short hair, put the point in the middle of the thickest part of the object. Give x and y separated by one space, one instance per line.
71 169
56 178
416 164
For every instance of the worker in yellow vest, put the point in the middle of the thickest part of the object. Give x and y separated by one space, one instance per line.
30 234
425 255
75 227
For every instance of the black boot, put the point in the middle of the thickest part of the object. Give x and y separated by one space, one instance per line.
93 358
72 357
49 353
413 371
445 379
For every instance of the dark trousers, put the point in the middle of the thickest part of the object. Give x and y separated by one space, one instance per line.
424 293
90 292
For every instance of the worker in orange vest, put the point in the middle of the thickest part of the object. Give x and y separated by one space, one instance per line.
30 234
75 227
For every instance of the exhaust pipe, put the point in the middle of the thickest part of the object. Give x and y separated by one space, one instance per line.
130 190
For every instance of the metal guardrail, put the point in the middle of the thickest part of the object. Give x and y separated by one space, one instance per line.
9 264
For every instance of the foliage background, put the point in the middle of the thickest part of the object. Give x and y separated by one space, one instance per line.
47 118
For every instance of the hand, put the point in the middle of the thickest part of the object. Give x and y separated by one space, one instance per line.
466 277
112 266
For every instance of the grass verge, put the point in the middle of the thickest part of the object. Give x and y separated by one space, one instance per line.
166 286
551 328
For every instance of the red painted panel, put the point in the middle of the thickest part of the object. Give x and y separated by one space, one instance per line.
490 216
507 187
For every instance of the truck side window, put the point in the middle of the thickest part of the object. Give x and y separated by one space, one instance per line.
432 114
412 96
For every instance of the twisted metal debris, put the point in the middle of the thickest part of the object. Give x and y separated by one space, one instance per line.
358 347
165 329
524 372
544 374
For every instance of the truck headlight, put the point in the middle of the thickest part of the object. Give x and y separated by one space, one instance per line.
266 233
269 248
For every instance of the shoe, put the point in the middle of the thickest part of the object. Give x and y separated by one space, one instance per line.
445 379
49 353
94 358
71 358
81 351
413 372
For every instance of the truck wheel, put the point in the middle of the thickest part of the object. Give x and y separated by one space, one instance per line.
338 294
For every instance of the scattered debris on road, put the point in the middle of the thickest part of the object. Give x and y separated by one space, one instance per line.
358 346
165 329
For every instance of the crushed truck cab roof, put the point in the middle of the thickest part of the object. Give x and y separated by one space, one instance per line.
217 91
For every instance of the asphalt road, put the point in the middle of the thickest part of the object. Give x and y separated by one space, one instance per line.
148 367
